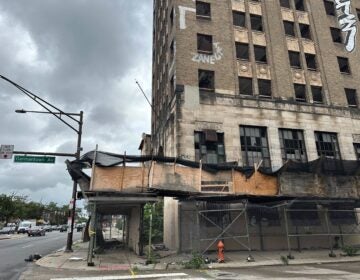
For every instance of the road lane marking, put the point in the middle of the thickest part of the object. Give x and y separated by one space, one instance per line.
124 277
27 246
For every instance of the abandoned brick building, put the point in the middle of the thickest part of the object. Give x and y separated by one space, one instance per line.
253 82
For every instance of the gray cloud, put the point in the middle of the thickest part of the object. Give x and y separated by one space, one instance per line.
79 55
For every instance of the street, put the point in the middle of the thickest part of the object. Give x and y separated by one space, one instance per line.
14 251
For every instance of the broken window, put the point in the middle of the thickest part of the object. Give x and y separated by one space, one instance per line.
336 35
327 145
292 145
204 43
305 31
209 147
317 94
239 19
264 88
206 80
329 7
256 23
242 51
294 58
344 64
311 61
245 86
203 10
357 150
285 3
289 28
254 146
351 97
260 54
300 92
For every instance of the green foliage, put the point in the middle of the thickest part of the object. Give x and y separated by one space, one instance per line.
196 262
157 222
350 251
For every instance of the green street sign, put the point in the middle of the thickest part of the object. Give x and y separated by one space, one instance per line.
34 159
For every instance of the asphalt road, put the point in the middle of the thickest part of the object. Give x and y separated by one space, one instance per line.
14 251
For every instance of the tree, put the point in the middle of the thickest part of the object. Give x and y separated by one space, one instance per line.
157 221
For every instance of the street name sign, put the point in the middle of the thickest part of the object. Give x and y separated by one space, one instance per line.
34 159
6 151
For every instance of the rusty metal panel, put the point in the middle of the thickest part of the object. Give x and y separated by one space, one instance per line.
257 184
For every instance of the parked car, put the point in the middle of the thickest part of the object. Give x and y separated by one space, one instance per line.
36 231
48 228
7 230
63 228
55 227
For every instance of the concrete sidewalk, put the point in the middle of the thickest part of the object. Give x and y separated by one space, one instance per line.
123 259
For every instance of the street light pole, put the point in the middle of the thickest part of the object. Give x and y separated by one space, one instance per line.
56 112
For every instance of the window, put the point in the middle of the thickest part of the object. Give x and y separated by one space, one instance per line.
239 18
264 88
317 94
260 54
327 145
209 147
242 51
285 3
203 10
336 35
311 61
358 13
299 5
329 7
172 17
256 23
300 92
245 86
294 58
204 43
305 31
289 28
292 145
344 64
254 146
357 150
351 97
206 79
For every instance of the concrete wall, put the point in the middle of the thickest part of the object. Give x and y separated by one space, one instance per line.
171 223
134 229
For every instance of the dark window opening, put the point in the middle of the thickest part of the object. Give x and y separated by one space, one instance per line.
245 86
204 43
327 145
317 94
289 28
305 31
300 92
357 150
209 147
358 13
311 61
285 3
172 17
206 80
299 5
239 19
203 9
351 97
264 88
294 58
344 64
260 54
329 8
254 146
256 23
336 35
292 145
242 51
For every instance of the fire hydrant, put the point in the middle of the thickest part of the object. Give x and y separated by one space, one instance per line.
221 257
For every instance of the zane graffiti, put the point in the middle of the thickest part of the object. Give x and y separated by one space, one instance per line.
347 22
207 58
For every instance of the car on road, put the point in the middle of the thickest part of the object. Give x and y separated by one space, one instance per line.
63 228
54 227
7 230
48 228
36 231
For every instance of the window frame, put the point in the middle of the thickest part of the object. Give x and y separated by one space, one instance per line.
251 80
202 16
211 73
297 144
203 43
202 146
242 16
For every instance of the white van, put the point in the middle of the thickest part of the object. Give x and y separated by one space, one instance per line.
24 226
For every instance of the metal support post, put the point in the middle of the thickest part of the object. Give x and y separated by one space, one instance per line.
289 256
92 234
331 247
250 258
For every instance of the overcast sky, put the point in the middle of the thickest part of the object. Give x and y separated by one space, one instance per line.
78 55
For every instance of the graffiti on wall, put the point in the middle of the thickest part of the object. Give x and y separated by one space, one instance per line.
182 15
209 58
347 22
